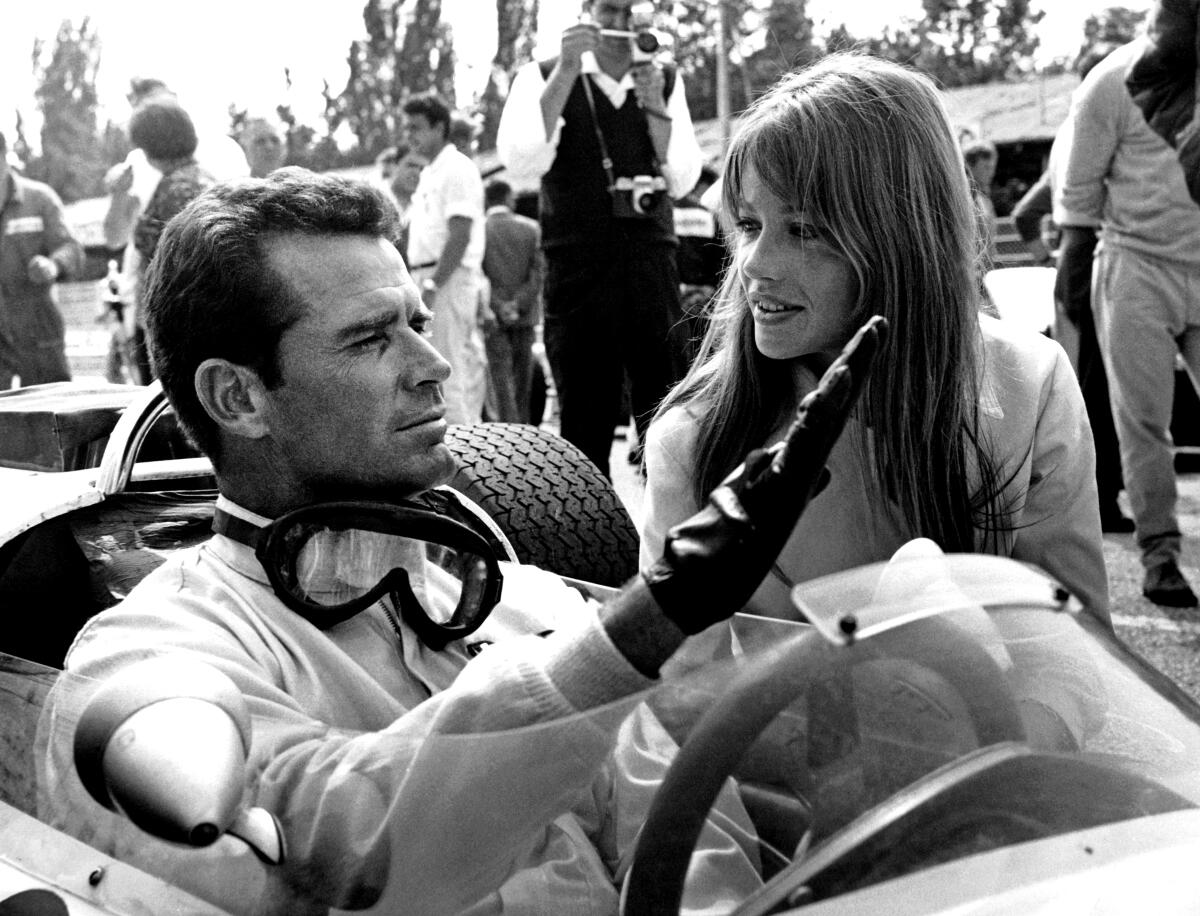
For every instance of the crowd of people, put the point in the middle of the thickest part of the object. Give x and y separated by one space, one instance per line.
315 336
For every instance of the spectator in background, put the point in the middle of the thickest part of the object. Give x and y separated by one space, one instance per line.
980 158
264 141
1132 171
162 130
400 167
445 253
36 250
586 124
130 184
512 262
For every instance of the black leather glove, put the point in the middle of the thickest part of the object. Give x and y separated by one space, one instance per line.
713 562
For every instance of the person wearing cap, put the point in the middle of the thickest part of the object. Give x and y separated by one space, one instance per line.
37 249
475 760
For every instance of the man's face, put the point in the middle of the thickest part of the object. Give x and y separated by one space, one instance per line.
611 14
422 136
407 172
264 148
358 413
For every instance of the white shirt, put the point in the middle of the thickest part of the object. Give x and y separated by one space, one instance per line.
450 186
523 148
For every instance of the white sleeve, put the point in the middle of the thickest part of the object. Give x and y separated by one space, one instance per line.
684 158
521 142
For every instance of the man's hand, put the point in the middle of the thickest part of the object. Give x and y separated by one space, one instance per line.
577 40
713 562
1073 282
42 270
648 86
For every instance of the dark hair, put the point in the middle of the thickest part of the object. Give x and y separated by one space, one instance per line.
162 129
497 192
211 293
429 104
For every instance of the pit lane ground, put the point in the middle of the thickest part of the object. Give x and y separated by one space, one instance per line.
1169 638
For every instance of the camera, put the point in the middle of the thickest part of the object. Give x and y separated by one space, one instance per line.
636 197
644 43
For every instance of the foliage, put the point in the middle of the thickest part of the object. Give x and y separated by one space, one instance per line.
73 157
1114 26
405 52
965 42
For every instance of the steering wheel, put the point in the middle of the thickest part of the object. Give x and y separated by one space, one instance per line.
756 696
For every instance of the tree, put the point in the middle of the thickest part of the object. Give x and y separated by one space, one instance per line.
516 22
72 159
965 42
788 44
404 53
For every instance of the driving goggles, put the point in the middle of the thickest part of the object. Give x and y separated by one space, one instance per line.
330 561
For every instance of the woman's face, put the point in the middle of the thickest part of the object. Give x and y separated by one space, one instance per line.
800 288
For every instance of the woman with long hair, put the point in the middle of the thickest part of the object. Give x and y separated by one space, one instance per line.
845 195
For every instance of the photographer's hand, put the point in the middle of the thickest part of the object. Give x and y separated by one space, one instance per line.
648 86
577 40
713 562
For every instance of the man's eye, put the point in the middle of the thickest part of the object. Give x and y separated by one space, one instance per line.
371 340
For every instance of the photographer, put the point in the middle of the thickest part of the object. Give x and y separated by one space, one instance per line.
606 129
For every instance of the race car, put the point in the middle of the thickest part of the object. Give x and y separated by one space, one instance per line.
935 734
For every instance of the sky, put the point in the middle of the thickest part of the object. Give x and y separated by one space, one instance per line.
235 51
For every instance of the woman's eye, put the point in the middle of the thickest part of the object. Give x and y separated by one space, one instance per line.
805 231
746 226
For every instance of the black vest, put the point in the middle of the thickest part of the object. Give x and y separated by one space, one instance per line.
575 206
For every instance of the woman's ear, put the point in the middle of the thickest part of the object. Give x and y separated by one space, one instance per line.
234 396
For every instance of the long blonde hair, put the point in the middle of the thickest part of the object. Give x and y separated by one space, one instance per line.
864 148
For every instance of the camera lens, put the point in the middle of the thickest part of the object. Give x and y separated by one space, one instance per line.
645 202
647 42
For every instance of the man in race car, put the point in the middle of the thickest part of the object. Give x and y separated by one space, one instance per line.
421 755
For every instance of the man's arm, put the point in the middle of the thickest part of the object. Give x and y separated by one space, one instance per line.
62 248
1027 215
681 165
1073 282
457 239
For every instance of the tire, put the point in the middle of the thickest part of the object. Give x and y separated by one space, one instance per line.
553 504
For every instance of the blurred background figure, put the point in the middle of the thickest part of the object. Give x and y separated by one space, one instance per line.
36 250
512 262
264 141
1127 196
445 254
164 132
130 185
400 169
980 158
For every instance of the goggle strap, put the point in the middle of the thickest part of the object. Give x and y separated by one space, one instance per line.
237 529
